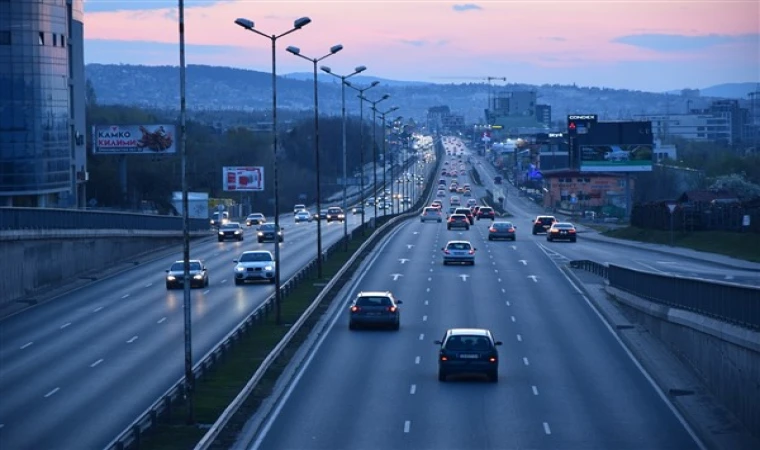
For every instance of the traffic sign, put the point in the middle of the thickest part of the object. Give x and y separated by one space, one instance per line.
672 207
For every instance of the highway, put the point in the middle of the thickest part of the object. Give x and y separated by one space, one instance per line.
77 370
565 381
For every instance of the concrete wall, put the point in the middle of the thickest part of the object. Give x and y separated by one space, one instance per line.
725 356
33 261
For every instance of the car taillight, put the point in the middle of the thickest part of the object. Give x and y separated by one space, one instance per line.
572 231
538 222
392 309
447 252
355 309
472 252
443 358
511 230
492 359
492 230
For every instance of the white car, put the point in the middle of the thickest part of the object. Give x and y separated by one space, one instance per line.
298 207
257 265
303 216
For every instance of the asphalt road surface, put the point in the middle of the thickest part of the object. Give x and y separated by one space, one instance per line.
76 371
565 381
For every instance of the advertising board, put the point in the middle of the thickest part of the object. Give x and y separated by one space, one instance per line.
197 204
616 158
243 179
133 139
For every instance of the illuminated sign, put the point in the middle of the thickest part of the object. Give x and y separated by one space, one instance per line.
586 117
558 135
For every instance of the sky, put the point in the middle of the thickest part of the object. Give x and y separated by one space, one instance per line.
640 44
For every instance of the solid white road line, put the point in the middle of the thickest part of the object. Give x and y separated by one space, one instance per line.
407 426
52 392
26 345
96 362
547 430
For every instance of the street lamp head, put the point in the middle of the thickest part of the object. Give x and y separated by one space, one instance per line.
325 69
359 69
335 49
294 50
300 23
245 23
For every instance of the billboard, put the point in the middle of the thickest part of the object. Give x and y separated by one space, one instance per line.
133 139
243 179
616 158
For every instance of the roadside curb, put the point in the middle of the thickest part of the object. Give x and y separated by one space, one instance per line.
713 433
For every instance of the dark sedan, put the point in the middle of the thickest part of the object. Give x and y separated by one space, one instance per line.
374 308
486 212
502 230
562 231
231 230
468 351
267 233
175 275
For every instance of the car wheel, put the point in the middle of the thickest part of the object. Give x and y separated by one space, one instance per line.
548 239
220 240
490 238
260 240
493 376
534 232
514 238
466 228
396 326
439 220
238 282
572 240
445 263
448 228
168 286
351 326
207 282
273 281
441 375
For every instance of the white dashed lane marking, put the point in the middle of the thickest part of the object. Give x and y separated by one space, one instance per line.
519 338
51 393
125 296
408 426
26 345
149 285
161 320
97 309
525 360
65 325
417 360
535 390
413 389
513 319
422 336
96 362
547 430
424 318
134 338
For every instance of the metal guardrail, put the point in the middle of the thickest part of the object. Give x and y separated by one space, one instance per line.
131 436
727 302
12 218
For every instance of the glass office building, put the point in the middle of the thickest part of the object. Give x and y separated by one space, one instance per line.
42 106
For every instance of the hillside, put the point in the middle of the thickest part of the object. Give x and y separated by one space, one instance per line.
222 88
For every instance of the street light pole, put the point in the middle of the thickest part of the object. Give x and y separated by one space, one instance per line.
361 138
297 25
343 78
187 304
374 143
296 51
382 115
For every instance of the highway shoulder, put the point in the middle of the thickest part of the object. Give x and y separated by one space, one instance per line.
678 384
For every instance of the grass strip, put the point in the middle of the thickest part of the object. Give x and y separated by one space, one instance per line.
738 245
216 390
475 177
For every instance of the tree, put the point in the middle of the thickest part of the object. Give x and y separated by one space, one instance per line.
737 184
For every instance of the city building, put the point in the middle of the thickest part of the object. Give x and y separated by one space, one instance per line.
43 158
517 109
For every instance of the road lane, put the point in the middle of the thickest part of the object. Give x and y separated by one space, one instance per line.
77 370
564 383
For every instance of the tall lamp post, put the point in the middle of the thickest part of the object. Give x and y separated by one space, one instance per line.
361 137
186 303
296 51
374 142
385 155
343 78
297 25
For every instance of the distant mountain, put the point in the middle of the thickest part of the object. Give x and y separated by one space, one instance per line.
212 88
358 79
730 90
726 90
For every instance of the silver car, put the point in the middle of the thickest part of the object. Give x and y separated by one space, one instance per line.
303 216
459 252
255 265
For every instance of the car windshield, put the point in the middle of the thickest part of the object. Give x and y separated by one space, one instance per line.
565 226
231 226
459 246
334 211
486 210
459 217
373 301
431 210
302 212
546 219
467 342
502 226
464 211
267 227
180 266
255 256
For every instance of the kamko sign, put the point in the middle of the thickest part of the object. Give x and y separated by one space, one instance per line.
243 179
133 139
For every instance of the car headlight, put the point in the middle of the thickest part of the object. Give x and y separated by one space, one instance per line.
280 233
239 269
260 233
340 216
221 233
268 268
198 277
170 278
237 231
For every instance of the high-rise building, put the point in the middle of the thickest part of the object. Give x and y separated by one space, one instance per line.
43 158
